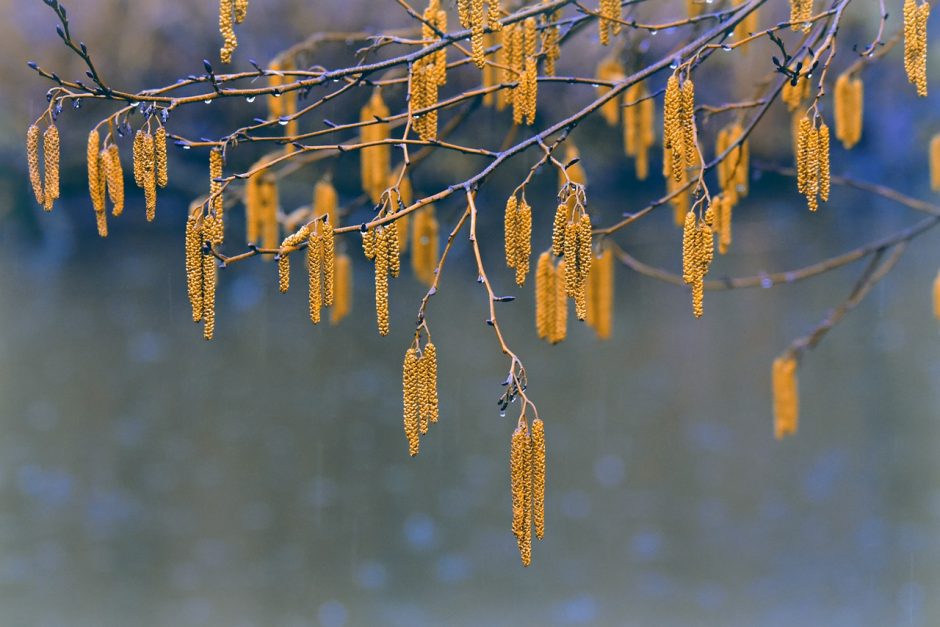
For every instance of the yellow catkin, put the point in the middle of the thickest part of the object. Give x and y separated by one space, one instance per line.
801 11
794 94
424 251
610 12
558 229
544 296
139 158
638 131
510 231
530 77
489 74
915 44
812 162
217 204
241 10
823 159
315 264
275 80
95 170
342 289
524 241
375 160
584 260
289 104
689 148
936 296
559 306
601 294
571 259
673 129
786 396
50 158
114 175
410 399
209 279
747 26
150 176
401 195
159 151
227 30
848 105
520 479
610 70
538 477
381 279
32 160
477 27
194 283
934 159
328 242
325 201
427 388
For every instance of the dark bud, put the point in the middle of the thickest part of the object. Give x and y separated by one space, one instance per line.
207 65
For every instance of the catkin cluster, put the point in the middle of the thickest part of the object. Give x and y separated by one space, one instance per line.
472 16
518 236
321 268
611 13
679 133
381 245
934 158
638 127
201 269
848 104
261 204
424 246
600 294
375 159
915 44
610 70
45 183
231 12
527 484
801 12
105 180
419 393
698 250
733 169
812 161
428 74
518 65
571 237
150 166
786 399
551 303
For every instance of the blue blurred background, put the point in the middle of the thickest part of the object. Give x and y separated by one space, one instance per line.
150 478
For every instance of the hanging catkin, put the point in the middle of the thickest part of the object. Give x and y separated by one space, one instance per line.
375 159
209 279
915 44
159 149
518 236
32 160
424 246
551 42
848 105
427 392
601 294
50 158
381 256
520 476
410 398
114 174
611 13
96 184
538 477
227 30
638 131
786 396
733 168
934 159
342 289
544 296
673 128
610 70
812 162
697 253
801 11
194 283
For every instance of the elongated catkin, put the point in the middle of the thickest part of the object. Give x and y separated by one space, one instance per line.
50 158
343 289
538 477
786 396
915 44
114 174
934 159
32 160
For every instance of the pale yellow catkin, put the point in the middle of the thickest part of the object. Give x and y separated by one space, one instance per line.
610 70
328 257
315 263
544 296
114 173
801 11
325 201
32 160
601 294
848 108
538 477
93 157
343 288
217 204
150 177
401 195
673 140
410 400
934 159
747 26
241 10
559 306
638 131
429 369
381 280
786 396
551 42
375 159
194 282
50 157
209 278
520 478
160 156
915 44
424 251
227 30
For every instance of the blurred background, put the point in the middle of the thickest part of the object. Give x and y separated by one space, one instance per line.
150 478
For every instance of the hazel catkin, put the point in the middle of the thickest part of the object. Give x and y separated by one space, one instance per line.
32 160
160 157
934 160
114 174
915 44
50 158
342 289
786 396
538 477
410 398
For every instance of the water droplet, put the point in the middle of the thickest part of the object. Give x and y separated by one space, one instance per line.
674 64
135 104
502 413
250 99
208 101
726 48
653 32
479 278
283 121
187 147
766 282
